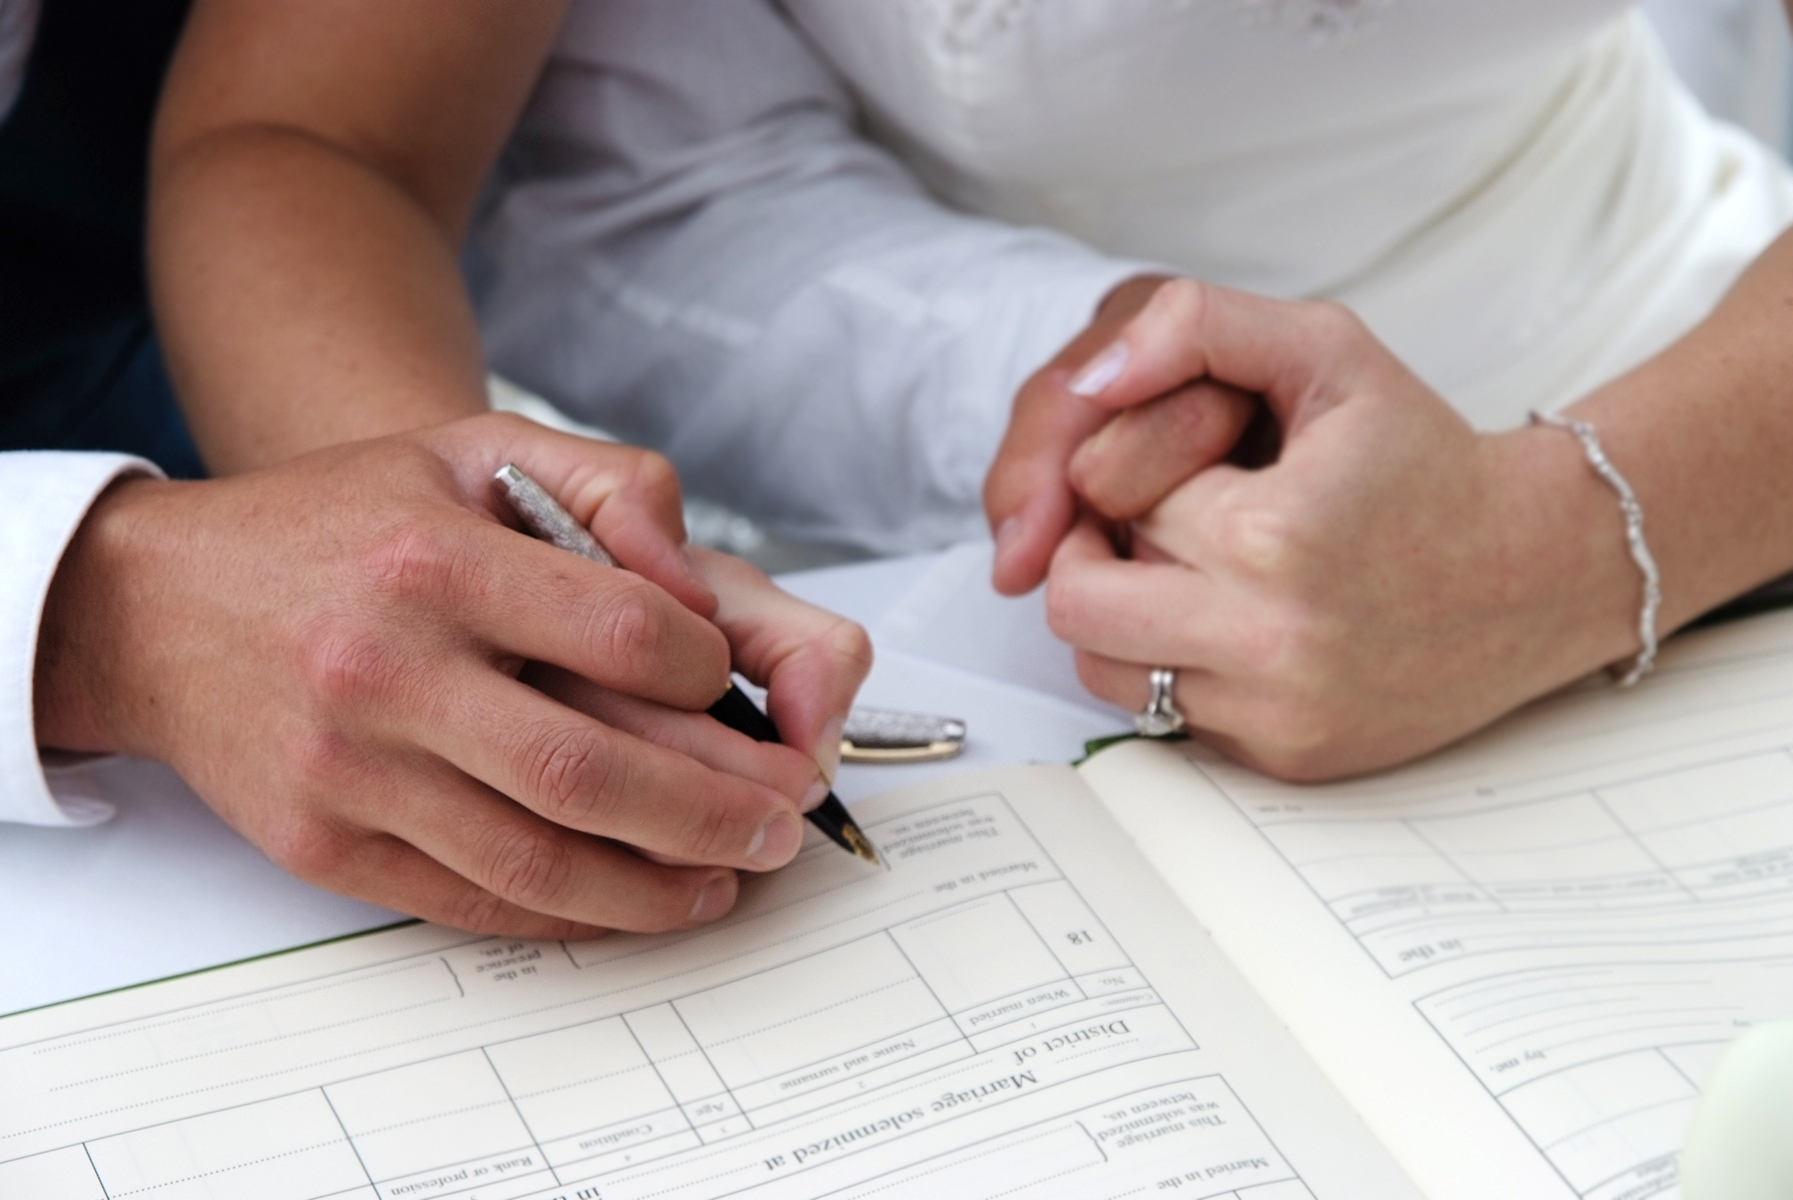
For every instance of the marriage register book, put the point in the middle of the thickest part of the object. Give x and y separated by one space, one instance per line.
1497 974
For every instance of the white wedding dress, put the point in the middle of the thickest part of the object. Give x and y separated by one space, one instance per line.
816 284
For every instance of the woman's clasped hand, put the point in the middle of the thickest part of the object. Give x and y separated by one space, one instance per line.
1379 580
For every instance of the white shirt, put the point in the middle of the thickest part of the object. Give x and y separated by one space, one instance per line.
691 245
47 492
46 495
810 257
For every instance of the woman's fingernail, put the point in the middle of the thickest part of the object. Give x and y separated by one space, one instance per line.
717 897
818 792
776 843
1101 370
828 750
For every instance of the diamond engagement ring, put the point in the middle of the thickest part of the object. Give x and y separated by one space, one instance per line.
1160 716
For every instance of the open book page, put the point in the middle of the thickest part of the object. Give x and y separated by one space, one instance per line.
1015 1007
1517 958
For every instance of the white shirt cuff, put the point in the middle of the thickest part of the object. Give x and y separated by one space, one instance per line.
49 493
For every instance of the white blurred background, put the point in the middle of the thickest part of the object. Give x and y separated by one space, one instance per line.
1735 56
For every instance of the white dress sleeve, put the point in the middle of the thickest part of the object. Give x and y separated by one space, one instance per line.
47 495
690 244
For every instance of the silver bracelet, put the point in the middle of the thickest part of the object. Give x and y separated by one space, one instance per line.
1634 538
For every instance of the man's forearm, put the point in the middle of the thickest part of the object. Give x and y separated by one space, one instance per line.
313 170
303 299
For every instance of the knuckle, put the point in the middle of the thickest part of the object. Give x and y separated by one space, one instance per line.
1199 423
1293 650
306 847
1092 474
1181 299
410 563
478 911
349 667
571 776
849 643
627 627
712 833
522 866
654 474
1264 542
1269 540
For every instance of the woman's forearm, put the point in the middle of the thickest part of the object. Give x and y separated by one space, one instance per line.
1704 434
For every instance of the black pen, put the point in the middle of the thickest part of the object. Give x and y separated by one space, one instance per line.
547 520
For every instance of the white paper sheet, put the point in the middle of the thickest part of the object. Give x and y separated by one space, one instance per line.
1014 1008
1553 929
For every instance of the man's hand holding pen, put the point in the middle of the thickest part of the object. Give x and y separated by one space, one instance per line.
364 679
546 518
